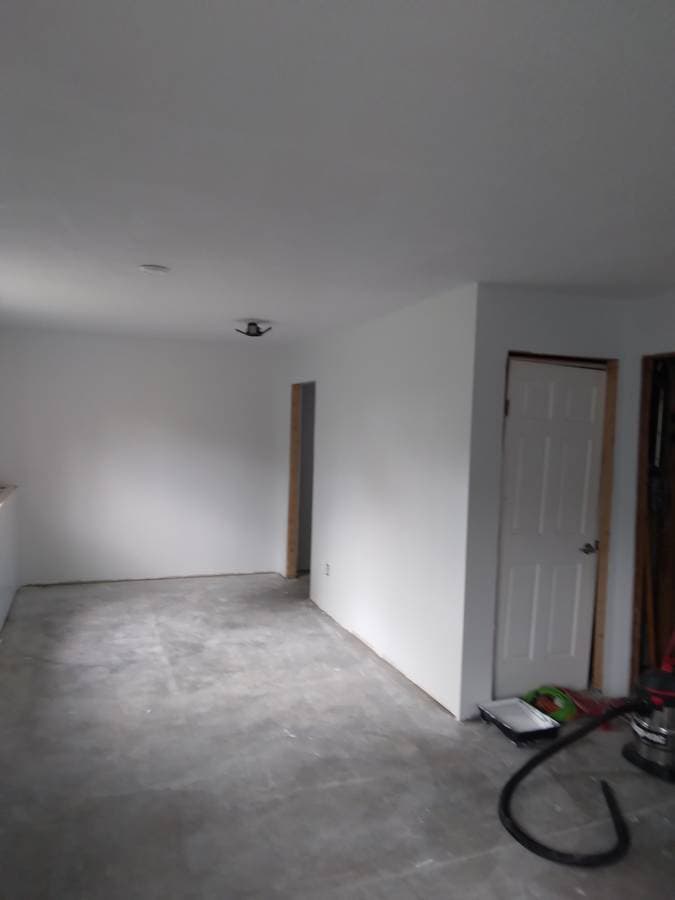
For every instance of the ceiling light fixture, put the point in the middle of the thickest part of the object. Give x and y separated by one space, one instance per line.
154 268
253 329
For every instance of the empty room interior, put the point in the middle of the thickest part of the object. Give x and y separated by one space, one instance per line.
337 449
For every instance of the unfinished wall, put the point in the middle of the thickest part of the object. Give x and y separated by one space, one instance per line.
140 458
148 458
380 466
393 414
550 322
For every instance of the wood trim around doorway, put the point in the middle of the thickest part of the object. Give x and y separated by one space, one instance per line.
642 578
611 367
604 523
293 530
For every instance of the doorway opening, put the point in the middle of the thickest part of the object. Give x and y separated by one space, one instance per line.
557 472
301 480
654 589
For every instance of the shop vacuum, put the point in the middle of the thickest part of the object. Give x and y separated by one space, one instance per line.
652 748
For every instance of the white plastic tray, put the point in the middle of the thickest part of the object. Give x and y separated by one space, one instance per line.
518 720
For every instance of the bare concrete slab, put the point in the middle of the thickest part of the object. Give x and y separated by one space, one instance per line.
222 738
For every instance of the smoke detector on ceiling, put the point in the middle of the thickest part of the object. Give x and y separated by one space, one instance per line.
253 329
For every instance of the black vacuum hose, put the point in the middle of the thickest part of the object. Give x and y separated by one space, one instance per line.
622 844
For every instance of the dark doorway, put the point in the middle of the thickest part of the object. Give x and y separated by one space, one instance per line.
654 612
306 478
301 481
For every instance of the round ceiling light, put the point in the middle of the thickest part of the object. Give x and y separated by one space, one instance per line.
154 268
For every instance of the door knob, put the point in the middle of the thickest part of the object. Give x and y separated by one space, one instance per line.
589 548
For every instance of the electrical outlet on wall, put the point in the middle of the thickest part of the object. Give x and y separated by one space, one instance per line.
326 568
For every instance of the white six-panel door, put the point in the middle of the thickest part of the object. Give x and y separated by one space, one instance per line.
549 526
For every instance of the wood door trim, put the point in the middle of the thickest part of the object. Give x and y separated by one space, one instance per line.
641 514
578 362
293 531
604 523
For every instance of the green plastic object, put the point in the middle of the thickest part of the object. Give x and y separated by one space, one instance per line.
565 708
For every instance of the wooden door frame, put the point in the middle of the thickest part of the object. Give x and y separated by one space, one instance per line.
611 368
641 511
295 450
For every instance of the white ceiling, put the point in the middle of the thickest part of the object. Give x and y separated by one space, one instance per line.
319 163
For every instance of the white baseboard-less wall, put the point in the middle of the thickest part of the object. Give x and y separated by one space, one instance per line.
143 457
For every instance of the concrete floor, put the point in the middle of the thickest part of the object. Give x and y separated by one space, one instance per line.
221 738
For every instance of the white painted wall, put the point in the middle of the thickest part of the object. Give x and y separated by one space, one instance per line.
512 319
143 457
393 426
9 552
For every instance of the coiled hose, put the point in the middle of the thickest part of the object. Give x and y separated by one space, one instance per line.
605 857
